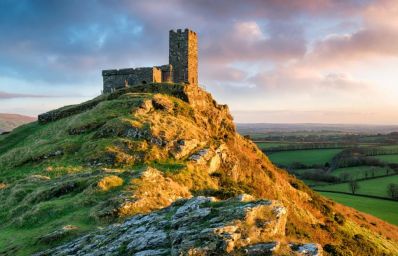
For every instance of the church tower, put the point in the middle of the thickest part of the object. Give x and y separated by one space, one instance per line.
183 56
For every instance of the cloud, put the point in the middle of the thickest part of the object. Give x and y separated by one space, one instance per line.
247 49
298 80
50 40
6 95
377 38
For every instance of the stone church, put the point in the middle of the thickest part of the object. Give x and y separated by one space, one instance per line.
182 67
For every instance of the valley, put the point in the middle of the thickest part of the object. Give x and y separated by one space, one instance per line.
353 165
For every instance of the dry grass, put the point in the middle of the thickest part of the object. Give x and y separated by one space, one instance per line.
152 191
109 182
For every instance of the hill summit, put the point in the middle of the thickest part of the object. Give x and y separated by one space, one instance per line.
159 169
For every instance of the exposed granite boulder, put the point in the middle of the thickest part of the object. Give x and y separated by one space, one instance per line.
183 147
309 249
261 249
197 226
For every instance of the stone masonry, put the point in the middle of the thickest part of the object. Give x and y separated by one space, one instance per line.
182 67
183 56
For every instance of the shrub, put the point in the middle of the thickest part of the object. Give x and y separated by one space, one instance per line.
319 175
109 182
335 250
392 190
339 218
2 185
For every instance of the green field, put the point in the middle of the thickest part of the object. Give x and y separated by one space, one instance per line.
359 172
388 158
394 147
268 145
307 157
373 187
383 209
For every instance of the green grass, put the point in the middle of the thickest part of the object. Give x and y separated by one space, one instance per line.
168 166
25 239
46 191
18 135
359 172
388 158
383 209
32 209
373 187
314 182
307 157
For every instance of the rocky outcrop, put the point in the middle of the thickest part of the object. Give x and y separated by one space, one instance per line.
198 226
164 144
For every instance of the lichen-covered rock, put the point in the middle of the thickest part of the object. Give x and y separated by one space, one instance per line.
261 249
310 249
183 147
197 226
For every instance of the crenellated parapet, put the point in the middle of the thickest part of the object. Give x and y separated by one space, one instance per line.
183 55
182 67
118 78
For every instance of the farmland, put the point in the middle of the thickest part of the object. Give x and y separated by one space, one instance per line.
372 187
383 209
336 157
307 157
389 158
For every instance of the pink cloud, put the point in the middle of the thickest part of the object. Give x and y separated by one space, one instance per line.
378 38
6 95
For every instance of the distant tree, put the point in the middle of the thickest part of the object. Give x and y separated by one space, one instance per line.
392 191
345 176
353 185
366 174
394 167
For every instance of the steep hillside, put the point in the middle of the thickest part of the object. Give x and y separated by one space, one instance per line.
10 121
145 150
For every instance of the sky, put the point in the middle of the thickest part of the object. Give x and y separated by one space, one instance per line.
299 61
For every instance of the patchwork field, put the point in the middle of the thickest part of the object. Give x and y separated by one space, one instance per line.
307 157
372 187
361 172
388 158
268 145
383 209
327 157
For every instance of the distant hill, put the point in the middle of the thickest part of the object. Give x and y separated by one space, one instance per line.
10 121
247 128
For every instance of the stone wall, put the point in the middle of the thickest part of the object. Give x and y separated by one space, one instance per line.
183 56
116 79
182 67
167 73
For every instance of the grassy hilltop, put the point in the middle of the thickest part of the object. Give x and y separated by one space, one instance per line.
140 149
